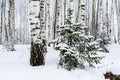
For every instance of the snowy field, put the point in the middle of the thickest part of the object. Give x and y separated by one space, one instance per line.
15 66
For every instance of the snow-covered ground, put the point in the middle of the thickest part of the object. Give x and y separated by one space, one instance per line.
15 66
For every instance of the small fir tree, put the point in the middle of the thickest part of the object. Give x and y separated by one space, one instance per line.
75 47
103 40
87 51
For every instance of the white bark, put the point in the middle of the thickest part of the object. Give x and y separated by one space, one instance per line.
118 21
0 22
112 22
38 31
4 28
82 20
100 17
78 12
93 28
62 12
57 17
107 20
47 20
11 25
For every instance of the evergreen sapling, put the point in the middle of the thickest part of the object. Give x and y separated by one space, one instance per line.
75 47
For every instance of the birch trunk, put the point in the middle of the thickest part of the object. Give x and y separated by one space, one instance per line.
107 20
38 32
1 23
87 15
57 18
63 11
118 21
113 37
4 27
78 12
11 25
47 14
94 29
100 17
83 2
71 6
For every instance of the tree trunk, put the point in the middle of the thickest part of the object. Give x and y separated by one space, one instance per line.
112 22
94 28
62 12
1 23
11 25
8 25
100 17
4 26
57 22
71 6
83 2
78 12
38 32
107 20
47 19
87 15
118 21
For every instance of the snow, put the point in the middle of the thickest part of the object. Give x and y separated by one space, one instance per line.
111 61
15 66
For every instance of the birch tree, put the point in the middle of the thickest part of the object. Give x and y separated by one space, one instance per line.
107 19
87 14
112 22
57 22
11 25
100 16
8 24
3 24
47 20
83 2
78 12
62 5
94 28
38 32
118 20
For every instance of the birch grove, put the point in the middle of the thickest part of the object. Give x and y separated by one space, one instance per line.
37 22
56 13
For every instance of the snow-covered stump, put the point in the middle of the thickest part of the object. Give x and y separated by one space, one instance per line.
38 32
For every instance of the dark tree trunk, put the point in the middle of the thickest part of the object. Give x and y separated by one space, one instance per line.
37 56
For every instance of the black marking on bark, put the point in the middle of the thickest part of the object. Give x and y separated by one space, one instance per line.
37 54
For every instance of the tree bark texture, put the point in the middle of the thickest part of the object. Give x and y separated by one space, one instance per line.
38 32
